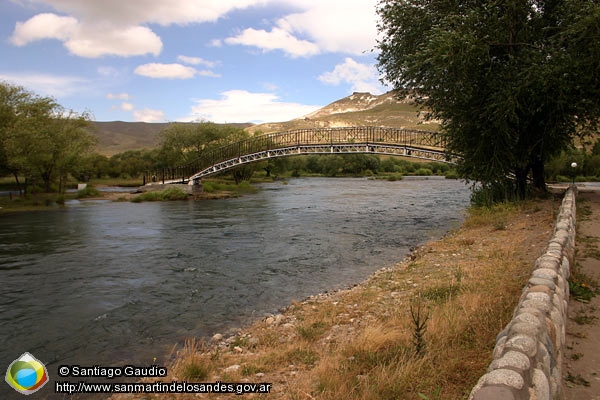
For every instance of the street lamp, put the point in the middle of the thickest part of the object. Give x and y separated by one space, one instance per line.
574 166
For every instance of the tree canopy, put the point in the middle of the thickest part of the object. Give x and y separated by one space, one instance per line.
512 81
39 139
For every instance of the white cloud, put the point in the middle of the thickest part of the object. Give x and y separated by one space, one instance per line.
94 29
171 71
163 12
166 71
148 115
44 26
49 85
90 40
339 26
196 61
276 39
125 106
117 96
97 41
244 106
116 27
361 77
108 71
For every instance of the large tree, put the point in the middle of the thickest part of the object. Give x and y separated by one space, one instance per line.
512 81
182 143
39 138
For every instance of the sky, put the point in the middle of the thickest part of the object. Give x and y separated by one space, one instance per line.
224 61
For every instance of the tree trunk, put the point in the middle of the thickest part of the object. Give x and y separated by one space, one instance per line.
521 181
18 183
538 172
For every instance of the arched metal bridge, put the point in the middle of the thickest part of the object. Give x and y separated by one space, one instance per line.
348 140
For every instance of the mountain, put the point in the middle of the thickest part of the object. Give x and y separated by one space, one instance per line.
355 110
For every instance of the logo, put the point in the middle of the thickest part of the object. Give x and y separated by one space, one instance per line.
26 374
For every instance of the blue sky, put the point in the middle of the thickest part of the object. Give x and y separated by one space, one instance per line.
185 60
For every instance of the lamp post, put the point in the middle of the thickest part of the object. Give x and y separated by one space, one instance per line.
574 166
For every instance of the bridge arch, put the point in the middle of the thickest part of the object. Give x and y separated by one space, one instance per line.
344 140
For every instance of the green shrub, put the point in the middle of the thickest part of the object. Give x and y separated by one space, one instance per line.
173 193
89 191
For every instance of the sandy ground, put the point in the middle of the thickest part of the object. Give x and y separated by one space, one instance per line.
581 368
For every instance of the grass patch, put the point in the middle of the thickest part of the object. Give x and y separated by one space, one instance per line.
223 186
173 193
441 294
313 331
89 191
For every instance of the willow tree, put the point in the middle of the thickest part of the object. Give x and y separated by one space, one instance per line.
39 139
512 81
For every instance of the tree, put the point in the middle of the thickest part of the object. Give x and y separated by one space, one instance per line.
39 138
512 81
182 143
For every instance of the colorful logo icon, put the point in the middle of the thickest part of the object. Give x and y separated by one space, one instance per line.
26 374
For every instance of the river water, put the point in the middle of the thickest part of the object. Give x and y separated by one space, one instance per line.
101 283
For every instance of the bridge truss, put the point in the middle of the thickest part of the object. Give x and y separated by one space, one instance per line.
348 140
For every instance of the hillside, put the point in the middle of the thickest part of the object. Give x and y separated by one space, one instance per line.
354 110
118 136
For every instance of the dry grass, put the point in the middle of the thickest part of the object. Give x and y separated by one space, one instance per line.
359 343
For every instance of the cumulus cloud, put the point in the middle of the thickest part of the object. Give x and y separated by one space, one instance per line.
94 29
148 115
196 61
165 71
276 39
244 106
116 27
88 40
171 71
117 96
346 26
125 106
361 77
44 26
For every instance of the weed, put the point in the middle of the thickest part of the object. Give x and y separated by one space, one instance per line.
443 293
238 342
577 380
195 370
458 274
303 356
580 291
584 319
576 356
419 319
313 331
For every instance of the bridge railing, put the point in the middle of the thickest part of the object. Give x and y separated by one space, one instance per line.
319 136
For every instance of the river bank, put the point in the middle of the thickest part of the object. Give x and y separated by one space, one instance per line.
377 339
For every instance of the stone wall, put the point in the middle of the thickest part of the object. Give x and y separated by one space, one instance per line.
527 359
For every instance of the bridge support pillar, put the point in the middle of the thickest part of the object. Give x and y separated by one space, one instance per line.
196 185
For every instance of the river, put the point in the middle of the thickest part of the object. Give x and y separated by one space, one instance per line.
100 283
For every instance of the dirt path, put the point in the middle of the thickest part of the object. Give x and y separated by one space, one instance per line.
582 356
